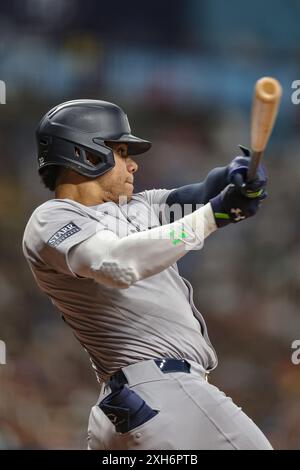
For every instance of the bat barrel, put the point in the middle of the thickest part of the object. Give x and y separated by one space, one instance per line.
266 100
264 111
268 90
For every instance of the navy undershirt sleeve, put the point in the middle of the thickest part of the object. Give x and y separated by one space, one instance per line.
200 193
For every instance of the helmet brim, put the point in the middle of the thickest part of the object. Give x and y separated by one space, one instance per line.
136 146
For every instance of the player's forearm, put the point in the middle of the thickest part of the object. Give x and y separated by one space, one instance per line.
122 262
199 193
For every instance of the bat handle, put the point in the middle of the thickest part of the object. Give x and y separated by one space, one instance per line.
255 160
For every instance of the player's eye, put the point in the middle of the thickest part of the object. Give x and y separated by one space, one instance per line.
123 152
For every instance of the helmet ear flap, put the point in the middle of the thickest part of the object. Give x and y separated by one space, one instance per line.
45 141
93 159
77 152
89 158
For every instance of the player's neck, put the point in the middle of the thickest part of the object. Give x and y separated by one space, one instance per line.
74 186
86 194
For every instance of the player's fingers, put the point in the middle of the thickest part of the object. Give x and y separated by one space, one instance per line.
238 180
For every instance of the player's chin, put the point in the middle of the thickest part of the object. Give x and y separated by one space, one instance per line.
127 191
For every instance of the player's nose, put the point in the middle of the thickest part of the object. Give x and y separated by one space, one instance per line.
132 166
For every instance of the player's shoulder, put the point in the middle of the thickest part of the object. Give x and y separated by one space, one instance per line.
47 215
56 207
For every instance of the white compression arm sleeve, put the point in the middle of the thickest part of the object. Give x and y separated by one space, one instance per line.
120 262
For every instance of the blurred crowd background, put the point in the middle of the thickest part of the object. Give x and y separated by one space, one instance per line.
184 72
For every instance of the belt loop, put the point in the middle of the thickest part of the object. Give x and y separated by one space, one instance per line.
154 369
144 371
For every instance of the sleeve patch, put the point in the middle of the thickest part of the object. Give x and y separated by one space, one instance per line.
63 233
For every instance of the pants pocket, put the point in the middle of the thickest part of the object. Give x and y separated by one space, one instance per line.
126 410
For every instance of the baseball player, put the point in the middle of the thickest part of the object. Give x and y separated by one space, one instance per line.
106 257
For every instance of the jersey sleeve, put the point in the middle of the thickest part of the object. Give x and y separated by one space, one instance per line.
156 196
53 230
156 200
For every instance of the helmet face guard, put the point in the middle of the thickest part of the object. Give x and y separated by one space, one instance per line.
70 130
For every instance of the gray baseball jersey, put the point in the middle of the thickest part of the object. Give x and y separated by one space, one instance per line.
156 317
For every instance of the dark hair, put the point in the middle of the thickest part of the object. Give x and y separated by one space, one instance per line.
49 176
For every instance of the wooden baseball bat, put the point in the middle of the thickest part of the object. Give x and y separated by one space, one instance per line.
266 101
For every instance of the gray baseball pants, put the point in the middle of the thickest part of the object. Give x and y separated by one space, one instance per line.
193 415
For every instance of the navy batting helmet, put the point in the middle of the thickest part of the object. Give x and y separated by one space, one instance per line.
69 130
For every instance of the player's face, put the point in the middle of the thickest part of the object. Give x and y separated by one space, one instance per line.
120 180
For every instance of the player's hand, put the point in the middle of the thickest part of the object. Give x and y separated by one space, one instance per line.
232 206
237 175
